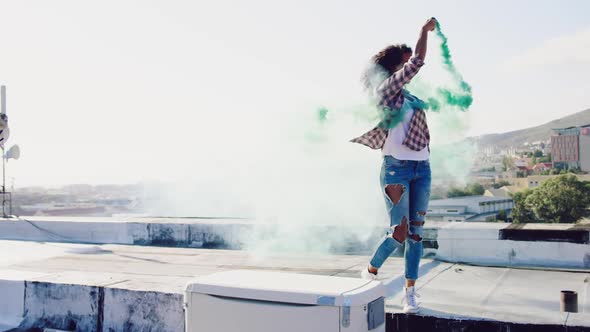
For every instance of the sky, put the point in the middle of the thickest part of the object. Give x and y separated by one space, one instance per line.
129 91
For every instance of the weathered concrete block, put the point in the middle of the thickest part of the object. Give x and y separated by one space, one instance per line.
168 234
138 233
211 236
127 311
60 306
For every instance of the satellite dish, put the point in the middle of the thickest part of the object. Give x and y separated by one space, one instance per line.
3 121
13 153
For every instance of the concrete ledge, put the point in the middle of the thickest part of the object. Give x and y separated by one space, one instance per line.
543 245
399 322
92 308
520 232
11 302
63 307
482 244
124 287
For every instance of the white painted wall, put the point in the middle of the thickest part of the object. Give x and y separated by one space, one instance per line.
468 242
64 231
478 243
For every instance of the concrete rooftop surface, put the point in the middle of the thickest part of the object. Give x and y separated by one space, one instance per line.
448 290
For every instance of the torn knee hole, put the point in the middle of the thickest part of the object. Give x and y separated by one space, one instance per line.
416 226
395 192
400 232
422 213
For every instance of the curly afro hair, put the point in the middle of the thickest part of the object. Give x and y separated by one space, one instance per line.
391 57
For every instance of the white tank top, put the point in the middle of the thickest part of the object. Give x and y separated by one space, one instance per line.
393 144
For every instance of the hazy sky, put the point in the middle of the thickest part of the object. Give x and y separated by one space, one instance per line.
124 91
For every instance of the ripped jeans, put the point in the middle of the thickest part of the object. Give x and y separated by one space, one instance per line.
414 179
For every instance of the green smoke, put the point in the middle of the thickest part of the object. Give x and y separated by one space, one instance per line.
450 95
463 101
444 46
461 98
322 114
455 94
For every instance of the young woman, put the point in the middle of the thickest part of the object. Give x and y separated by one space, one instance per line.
403 138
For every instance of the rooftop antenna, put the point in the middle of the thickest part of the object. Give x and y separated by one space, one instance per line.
3 93
4 132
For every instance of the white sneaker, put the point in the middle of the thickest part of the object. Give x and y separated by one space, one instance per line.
365 274
411 305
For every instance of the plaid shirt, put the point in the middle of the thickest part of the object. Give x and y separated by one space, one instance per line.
391 96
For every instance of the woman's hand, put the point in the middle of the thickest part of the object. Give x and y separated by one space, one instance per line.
430 25
420 50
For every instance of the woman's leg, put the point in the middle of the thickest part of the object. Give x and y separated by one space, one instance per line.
395 187
419 196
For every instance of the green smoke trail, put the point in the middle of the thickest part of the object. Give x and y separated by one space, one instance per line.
453 95
322 114
452 157
444 46
462 98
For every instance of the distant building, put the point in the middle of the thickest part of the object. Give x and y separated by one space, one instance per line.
534 181
524 170
508 175
511 152
61 209
503 192
484 177
537 145
491 150
542 167
522 162
570 148
468 208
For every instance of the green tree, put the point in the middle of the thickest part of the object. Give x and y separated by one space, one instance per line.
507 163
488 169
471 189
521 212
475 189
501 215
563 199
456 192
500 184
538 153
546 159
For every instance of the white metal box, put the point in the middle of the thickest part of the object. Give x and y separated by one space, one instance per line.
261 301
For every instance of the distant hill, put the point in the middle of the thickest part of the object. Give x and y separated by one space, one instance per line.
539 133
